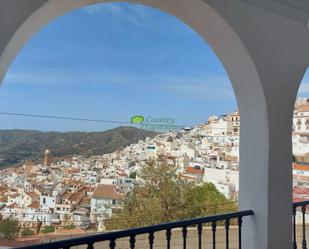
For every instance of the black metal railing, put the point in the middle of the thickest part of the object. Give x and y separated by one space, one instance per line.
300 207
198 223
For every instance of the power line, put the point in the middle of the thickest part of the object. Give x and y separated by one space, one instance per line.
97 120
88 119
64 118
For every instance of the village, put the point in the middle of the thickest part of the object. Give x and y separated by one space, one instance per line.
80 192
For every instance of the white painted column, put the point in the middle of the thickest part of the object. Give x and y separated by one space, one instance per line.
279 51
265 172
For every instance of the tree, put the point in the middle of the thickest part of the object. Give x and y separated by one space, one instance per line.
27 232
164 197
133 175
9 228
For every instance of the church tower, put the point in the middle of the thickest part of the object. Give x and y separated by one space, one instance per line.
47 158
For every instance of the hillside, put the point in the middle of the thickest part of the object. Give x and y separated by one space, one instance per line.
16 146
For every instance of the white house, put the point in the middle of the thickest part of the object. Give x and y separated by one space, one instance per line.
226 181
105 198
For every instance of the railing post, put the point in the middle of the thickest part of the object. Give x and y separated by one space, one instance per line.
294 229
199 231
214 228
90 246
239 232
304 242
132 241
151 239
168 238
112 244
227 227
184 235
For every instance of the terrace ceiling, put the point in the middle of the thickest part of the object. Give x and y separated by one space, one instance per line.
295 9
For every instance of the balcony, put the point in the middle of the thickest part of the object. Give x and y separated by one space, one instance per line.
220 231
161 235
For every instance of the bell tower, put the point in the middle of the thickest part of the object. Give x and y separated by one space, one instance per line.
47 158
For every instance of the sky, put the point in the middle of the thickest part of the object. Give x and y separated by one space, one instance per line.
113 61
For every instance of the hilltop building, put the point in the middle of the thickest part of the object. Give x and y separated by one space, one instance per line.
47 158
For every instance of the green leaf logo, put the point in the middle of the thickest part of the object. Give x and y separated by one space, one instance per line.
137 119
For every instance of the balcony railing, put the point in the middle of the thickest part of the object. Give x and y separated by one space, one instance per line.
299 231
302 208
198 223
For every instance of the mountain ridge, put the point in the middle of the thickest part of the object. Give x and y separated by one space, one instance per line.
17 146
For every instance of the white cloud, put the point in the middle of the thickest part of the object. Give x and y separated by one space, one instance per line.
36 77
141 16
110 8
206 87
132 13
213 87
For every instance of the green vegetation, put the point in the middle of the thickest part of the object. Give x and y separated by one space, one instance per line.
133 175
19 145
27 232
165 197
48 229
9 228
69 227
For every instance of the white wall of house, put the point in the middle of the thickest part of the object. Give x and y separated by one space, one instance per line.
47 202
221 127
300 143
226 181
34 215
103 207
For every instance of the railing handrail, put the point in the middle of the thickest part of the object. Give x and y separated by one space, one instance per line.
300 203
141 230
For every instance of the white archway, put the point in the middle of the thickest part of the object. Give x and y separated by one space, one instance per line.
256 49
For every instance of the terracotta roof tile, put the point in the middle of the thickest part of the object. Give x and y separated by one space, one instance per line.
13 205
103 191
33 194
194 171
34 205
303 167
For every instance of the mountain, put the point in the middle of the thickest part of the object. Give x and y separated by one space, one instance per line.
16 146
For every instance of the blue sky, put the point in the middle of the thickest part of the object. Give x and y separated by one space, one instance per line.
113 61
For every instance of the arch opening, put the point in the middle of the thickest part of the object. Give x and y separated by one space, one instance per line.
224 41
28 69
